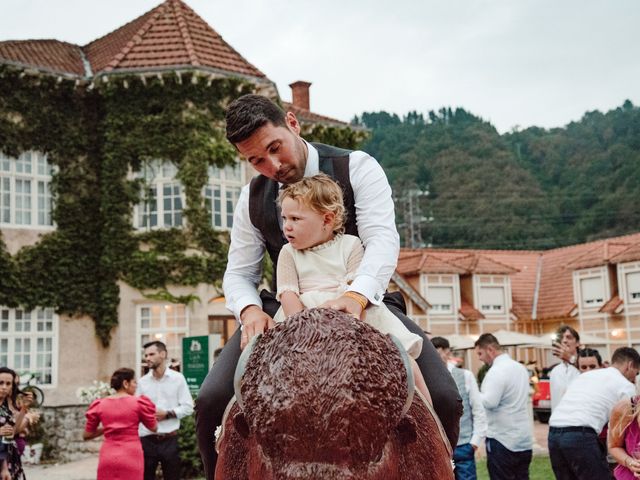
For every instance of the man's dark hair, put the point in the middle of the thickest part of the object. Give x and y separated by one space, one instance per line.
565 328
248 113
119 376
590 352
485 340
624 354
440 342
156 343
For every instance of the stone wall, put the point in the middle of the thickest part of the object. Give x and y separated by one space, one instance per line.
64 426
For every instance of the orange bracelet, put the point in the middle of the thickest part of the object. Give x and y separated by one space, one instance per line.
361 299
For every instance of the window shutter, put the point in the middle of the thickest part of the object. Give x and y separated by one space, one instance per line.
592 291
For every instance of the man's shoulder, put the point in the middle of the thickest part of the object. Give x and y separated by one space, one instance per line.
330 150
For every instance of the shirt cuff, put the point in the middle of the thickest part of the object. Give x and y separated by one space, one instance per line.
242 303
369 287
476 440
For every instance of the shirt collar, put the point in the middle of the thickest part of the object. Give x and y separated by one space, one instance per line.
503 357
313 161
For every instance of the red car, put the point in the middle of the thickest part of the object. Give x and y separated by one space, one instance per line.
542 401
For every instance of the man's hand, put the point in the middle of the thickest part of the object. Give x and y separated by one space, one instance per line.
346 304
161 414
254 321
6 431
563 352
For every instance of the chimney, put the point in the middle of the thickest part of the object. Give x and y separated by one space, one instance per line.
300 94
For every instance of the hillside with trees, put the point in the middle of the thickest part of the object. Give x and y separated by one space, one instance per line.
459 183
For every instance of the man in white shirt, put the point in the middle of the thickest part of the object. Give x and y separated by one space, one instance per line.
505 397
565 346
473 423
168 390
582 413
270 140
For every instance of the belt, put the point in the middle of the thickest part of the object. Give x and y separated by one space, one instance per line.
160 437
573 429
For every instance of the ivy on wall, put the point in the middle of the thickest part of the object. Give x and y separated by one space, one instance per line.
98 135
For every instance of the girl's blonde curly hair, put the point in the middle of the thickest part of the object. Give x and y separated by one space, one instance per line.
321 194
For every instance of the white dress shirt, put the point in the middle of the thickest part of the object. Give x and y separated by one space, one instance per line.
168 393
375 219
477 410
505 397
590 397
559 379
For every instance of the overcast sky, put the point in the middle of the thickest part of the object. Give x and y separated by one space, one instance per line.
512 62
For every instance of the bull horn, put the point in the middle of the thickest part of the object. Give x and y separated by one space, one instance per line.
411 382
242 364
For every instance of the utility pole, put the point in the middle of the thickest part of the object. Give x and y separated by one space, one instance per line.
409 204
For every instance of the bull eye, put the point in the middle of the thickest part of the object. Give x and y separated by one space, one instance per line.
241 425
407 430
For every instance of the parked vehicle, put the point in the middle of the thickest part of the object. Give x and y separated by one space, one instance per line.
542 401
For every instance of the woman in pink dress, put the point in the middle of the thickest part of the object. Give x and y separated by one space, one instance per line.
624 438
121 453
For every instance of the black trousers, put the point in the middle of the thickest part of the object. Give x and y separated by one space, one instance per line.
217 388
164 451
575 454
503 464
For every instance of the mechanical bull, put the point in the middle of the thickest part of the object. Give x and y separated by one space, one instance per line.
324 396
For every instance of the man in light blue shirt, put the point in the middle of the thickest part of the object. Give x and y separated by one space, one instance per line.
505 397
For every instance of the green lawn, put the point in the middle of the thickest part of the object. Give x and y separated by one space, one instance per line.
540 469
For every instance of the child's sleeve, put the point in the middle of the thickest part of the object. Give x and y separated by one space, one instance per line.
354 258
287 274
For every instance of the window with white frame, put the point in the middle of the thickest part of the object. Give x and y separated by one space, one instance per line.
168 323
162 198
25 190
28 342
440 299
492 299
221 194
633 287
592 291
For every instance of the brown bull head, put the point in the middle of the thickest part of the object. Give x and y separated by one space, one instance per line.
324 393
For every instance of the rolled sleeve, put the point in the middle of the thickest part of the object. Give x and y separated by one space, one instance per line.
244 265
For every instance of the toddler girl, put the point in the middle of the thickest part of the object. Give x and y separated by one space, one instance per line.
319 262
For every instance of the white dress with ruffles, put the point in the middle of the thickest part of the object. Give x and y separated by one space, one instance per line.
324 272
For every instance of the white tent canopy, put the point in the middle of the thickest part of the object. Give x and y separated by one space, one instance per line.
585 339
505 337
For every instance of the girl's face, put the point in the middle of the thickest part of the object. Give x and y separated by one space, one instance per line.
6 384
303 227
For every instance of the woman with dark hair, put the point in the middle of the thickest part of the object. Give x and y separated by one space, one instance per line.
11 423
120 414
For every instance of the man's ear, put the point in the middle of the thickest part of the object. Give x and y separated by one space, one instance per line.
292 123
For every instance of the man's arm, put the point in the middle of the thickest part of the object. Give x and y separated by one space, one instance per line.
491 390
375 217
477 410
185 402
244 265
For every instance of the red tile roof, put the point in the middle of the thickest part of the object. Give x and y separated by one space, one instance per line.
170 36
52 55
630 254
480 264
468 312
306 116
551 271
613 305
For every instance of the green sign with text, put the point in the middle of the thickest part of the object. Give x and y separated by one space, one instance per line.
195 360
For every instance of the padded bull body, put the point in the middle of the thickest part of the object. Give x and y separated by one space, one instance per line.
325 396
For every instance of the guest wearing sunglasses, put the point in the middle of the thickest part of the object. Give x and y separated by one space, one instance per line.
589 359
